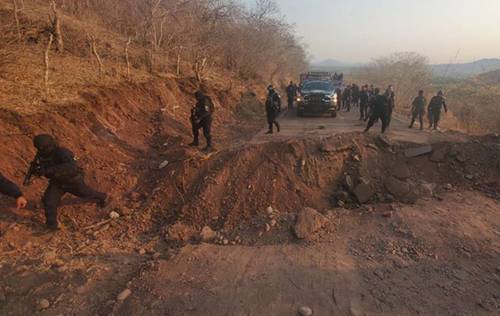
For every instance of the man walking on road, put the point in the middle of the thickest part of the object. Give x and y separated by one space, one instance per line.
364 97
380 111
291 93
273 107
418 110
437 103
346 95
391 98
10 189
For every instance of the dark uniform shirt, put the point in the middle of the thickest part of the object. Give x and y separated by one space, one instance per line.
437 103
60 166
9 188
364 97
273 103
291 91
380 104
203 109
419 103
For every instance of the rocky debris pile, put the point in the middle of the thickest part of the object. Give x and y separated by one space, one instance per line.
309 222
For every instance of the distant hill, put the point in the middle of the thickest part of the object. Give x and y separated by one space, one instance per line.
333 65
466 70
492 77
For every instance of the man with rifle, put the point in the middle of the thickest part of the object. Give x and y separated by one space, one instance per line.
435 107
291 93
58 164
418 110
9 188
201 117
273 108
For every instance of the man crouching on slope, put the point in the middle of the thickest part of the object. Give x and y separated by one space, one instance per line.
58 164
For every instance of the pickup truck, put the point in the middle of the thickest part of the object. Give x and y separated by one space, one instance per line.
317 97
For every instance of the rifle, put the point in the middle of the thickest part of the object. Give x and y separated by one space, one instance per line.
33 171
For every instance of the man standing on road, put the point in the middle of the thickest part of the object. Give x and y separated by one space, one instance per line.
418 110
437 103
273 107
391 98
355 95
380 111
346 95
364 97
291 93
58 164
9 188
201 117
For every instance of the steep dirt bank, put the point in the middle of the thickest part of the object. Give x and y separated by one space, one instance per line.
120 137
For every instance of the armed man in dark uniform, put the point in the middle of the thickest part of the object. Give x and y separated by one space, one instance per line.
273 108
364 97
346 96
391 98
10 189
435 106
201 117
291 93
380 111
418 110
58 164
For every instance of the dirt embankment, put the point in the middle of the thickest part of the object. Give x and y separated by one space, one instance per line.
120 137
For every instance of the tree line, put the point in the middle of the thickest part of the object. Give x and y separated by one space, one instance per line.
195 36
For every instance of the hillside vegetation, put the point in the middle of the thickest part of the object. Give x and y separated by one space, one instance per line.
52 50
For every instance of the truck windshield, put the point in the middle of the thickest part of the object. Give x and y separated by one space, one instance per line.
318 85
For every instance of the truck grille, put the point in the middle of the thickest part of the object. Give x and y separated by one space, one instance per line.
317 98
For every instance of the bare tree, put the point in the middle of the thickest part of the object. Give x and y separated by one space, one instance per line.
127 60
56 26
16 19
93 47
407 71
47 65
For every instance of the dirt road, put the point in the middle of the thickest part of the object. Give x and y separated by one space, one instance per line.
348 122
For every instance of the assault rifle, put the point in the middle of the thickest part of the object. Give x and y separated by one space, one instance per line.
33 171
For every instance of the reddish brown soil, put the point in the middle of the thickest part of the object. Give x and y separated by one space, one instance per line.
122 135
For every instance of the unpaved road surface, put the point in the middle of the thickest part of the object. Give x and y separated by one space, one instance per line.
348 122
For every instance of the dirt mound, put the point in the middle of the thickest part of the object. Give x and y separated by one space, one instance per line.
232 190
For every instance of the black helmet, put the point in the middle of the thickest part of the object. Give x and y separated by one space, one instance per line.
45 144
440 93
199 95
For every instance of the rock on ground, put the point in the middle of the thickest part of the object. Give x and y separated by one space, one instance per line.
363 192
124 294
418 151
309 221
305 311
401 171
398 188
439 154
180 232
207 234
43 304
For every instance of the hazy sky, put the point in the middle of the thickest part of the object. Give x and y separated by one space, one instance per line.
359 30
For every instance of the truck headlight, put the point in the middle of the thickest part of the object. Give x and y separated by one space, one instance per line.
299 99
